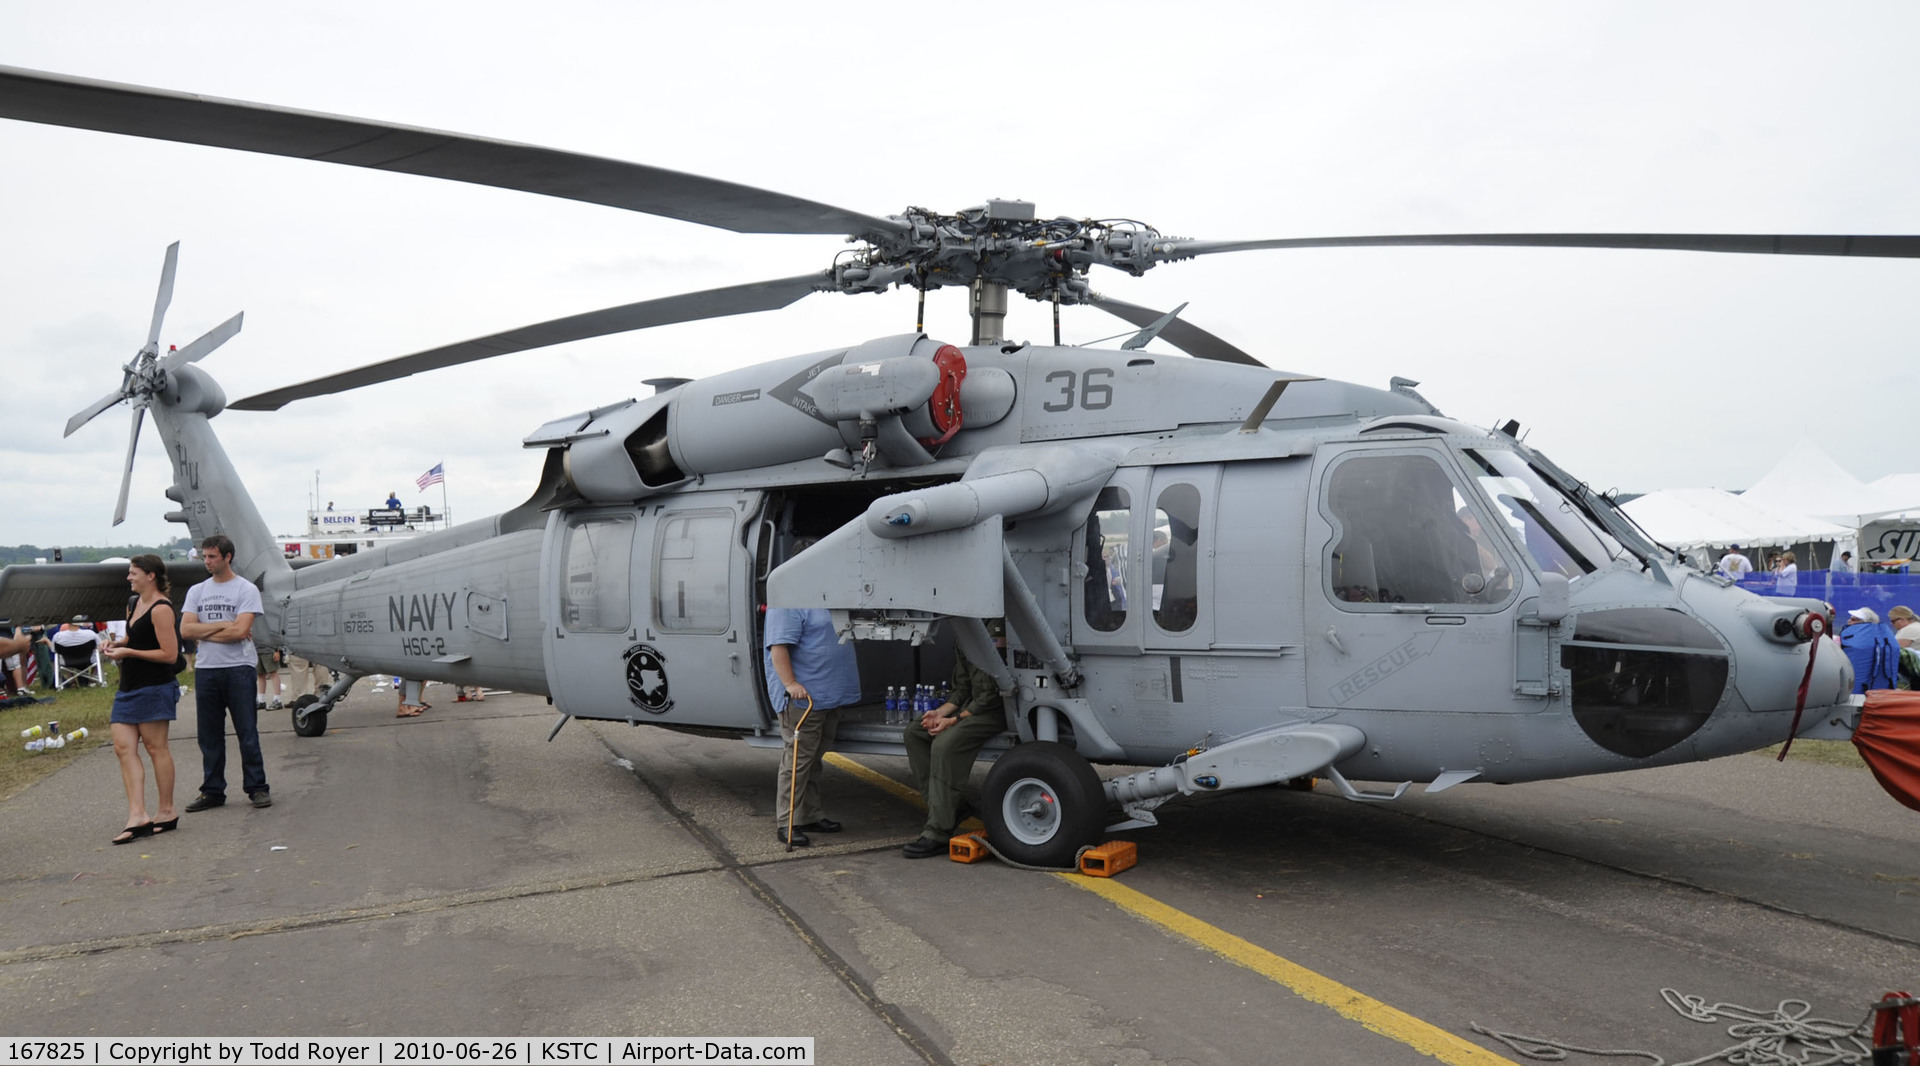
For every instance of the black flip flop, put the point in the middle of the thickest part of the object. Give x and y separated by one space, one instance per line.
134 832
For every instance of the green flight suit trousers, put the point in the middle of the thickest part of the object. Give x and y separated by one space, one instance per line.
942 764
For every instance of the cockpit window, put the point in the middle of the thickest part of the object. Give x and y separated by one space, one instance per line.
1408 535
1559 538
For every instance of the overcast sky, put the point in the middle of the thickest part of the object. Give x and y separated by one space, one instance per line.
1636 370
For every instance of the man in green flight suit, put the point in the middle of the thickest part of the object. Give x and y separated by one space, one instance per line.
941 747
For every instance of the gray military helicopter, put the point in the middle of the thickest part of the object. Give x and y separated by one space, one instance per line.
1230 575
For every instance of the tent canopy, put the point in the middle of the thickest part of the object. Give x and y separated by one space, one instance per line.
1694 518
1807 481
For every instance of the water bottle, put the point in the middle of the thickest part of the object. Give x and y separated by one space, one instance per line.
39 731
893 705
56 741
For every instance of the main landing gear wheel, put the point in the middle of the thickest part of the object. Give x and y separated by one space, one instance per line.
1043 804
308 723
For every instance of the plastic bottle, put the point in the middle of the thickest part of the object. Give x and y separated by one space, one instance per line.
893 705
40 731
57 740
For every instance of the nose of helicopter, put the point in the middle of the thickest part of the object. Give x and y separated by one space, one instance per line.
1831 680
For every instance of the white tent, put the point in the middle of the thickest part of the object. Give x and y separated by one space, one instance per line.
1808 481
1694 518
1901 486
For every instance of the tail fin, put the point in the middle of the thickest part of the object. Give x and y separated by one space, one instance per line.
182 398
205 485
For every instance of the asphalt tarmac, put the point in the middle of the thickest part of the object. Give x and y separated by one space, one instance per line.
456 875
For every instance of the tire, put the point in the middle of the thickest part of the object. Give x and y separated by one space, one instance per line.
1043 804
308 725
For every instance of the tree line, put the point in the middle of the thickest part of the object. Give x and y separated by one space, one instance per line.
27 553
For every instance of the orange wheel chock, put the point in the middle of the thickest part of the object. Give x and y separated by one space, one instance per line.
1109 858
967 847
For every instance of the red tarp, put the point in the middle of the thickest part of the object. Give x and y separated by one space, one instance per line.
1889 740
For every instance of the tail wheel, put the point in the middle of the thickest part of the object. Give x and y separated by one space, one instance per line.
1043 804
308 723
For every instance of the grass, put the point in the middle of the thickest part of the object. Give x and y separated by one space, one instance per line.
1825 752
72 708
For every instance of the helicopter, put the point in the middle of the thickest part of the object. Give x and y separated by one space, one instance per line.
1225 575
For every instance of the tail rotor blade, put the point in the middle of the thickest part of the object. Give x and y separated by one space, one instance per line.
126 474
205 345
93 409
165 295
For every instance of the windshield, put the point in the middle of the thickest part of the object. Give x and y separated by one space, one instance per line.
1560 539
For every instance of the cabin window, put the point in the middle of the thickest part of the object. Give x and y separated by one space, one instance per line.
1406 534
692 550
1106 585
596 564
1175 558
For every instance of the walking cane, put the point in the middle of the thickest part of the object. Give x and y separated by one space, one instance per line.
793 775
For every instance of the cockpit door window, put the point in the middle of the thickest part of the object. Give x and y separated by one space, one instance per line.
1407 534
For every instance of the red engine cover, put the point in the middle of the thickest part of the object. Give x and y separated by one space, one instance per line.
944 406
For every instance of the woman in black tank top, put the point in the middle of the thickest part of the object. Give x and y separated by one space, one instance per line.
147 698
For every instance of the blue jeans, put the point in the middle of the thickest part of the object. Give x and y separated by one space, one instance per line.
218 692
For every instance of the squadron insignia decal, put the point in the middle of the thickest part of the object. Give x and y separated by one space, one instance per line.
647 679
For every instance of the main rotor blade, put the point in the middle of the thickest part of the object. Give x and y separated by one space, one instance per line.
165 295
204 346
1882 246
686 307
135 110
1180 333
126 473
93 409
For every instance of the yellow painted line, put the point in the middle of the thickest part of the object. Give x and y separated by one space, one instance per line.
1369 1012
876 779
1372 1014
889 785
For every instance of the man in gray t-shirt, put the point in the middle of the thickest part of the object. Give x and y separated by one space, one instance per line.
219 613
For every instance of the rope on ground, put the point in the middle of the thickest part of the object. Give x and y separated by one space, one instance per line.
1784 1036
1074 869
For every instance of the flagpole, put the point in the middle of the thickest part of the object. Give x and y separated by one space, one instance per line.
444 509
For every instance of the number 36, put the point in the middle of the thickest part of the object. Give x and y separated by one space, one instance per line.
1093 397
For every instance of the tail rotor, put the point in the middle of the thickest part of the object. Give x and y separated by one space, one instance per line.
145 377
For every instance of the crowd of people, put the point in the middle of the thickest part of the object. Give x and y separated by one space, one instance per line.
208 634
1884 654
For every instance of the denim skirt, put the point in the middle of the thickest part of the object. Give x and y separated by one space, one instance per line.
155 703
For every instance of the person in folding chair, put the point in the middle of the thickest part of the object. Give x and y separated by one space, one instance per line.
76 656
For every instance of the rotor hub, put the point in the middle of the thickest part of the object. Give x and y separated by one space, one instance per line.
999 243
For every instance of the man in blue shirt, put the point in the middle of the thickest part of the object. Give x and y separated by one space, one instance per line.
811 674
1871 647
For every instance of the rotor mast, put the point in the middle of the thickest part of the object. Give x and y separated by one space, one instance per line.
990 294
989 311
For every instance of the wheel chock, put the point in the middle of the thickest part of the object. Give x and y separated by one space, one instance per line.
967 847
1109 858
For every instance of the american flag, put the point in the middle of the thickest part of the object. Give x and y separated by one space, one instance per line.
432 477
